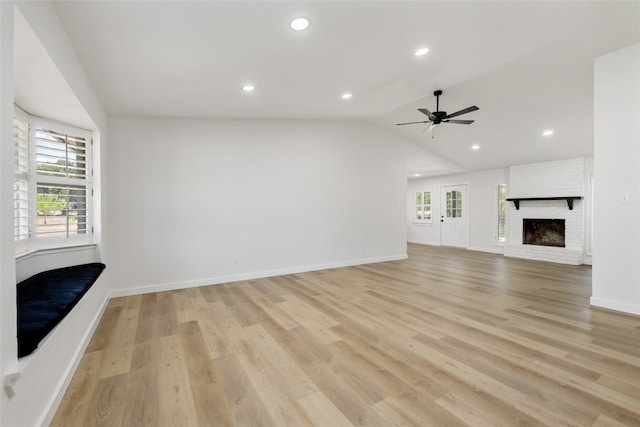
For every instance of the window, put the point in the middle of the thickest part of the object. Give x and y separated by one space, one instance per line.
423 206
61 176
501 212
52 184
21 177
454 204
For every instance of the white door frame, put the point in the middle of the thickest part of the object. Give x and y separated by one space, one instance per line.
454 231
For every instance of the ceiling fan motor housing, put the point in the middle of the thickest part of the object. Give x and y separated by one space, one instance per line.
439 115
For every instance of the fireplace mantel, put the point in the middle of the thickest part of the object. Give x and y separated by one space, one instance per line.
516 200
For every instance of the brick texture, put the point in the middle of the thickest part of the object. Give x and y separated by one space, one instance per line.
550 179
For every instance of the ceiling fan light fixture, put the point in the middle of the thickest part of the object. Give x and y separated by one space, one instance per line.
299 24
421 52
437 117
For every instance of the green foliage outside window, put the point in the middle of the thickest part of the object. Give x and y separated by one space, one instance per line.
50 204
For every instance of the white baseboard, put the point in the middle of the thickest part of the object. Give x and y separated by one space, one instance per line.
615 305
161 287
423 242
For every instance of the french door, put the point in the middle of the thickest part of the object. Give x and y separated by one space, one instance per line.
454 221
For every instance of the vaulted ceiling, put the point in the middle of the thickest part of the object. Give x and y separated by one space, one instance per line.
528 65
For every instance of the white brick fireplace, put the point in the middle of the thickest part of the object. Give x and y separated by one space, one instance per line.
564 178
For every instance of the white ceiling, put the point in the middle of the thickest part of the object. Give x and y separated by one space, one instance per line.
528 65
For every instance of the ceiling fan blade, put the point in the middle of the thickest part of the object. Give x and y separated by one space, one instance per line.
460 122
413 123
427 112
428 128
461 112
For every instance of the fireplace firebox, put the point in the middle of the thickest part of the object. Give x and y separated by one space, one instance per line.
543 232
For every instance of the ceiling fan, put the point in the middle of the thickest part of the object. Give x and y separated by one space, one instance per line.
438 117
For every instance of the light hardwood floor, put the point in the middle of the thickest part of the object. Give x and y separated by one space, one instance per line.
446 338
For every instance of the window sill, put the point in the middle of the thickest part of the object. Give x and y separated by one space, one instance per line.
24 255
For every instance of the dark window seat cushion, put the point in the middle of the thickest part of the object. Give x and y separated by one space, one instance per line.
46 298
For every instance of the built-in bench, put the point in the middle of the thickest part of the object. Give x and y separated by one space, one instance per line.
46 298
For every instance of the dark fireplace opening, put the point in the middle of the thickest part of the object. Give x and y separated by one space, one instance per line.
543 232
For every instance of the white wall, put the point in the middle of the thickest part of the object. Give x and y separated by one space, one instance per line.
8 347
616 252
481 208
44 374
188 196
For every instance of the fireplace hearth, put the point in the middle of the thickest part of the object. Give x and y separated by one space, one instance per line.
543 232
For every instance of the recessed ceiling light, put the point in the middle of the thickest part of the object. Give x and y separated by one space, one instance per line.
248 87
421 51
299 24
547 132
346 95
475 147
417 174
